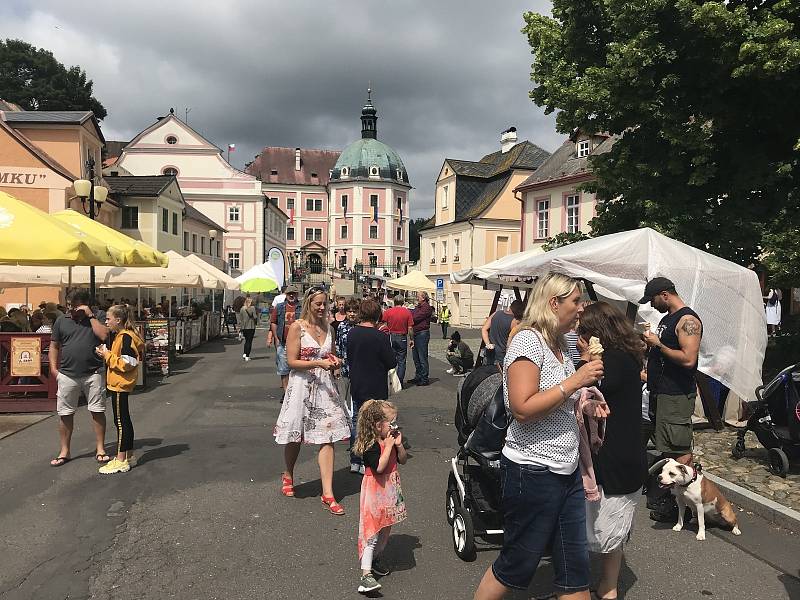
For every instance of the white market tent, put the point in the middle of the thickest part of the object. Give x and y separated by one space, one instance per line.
727 296
413 281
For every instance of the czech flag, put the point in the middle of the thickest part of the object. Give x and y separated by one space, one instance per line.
231 147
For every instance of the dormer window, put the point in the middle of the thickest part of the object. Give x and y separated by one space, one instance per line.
169 171
399 174
345 172
584 147
314 175
171 139
373 171
273 172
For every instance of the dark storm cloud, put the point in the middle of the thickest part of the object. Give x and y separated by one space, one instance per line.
448 77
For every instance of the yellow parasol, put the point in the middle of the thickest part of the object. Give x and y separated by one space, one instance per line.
29 236
135 253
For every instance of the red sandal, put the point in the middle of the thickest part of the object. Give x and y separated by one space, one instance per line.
287 486
332 505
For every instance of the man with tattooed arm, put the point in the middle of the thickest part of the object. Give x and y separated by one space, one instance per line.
671 364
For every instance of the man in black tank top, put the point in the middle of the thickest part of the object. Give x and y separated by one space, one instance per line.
671 364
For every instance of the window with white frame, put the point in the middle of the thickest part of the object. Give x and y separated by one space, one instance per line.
233 214
309 204
290 204
584 147
169 171
373 200
233 260
343 262
399 204
444 196
290 234
318 204
373 171
344 202
186 240
573 214
373 232
444 251
373 260
344 172
542 219
165 220
202 245
219 248
130 217
172 140
317 235
399 233
174 223
456 249
433 252
309 234
194 242
343 232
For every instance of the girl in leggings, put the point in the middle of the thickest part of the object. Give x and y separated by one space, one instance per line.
122 361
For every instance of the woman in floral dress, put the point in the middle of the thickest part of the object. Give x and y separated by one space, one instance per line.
312 410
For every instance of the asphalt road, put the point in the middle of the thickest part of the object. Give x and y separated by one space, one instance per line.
201 516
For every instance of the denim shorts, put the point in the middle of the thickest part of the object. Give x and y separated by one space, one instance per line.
281 362
543 513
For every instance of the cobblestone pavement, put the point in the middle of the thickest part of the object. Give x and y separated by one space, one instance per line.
713 451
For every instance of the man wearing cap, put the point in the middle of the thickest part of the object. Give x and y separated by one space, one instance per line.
671 365
283 315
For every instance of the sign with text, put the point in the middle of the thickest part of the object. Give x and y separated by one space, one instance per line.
440 295
439 283
30 177
26 356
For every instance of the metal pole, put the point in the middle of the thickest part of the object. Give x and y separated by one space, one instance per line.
92 282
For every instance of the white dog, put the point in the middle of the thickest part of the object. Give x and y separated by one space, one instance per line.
691 489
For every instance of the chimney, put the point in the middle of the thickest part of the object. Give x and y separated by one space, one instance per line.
508 139
297 159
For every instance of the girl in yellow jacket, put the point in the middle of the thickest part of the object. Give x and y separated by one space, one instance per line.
122 360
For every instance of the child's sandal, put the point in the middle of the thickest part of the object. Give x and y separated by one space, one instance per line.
332 505
287 486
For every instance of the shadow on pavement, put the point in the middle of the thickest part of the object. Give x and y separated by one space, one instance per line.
162 452
792 585
400 551
345 484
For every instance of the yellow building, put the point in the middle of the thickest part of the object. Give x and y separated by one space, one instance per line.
477 220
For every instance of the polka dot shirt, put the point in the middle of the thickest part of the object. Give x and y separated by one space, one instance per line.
553 441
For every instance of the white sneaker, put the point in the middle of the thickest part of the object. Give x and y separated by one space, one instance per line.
244 356
450 371
246 359
361 470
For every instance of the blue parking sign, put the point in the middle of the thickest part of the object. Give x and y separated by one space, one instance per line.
440 284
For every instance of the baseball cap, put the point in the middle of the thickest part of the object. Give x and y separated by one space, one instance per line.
655 286
291 290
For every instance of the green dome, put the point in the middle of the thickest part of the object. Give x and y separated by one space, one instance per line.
361 159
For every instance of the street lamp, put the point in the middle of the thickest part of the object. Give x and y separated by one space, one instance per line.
95 194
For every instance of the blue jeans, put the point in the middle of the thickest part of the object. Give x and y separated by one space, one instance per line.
420 355
543 512
400 349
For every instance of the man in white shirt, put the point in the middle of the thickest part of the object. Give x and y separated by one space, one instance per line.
279 299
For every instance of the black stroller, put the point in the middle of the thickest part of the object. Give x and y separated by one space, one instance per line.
473 486
776 420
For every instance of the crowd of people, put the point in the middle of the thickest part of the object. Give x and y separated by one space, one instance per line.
337 366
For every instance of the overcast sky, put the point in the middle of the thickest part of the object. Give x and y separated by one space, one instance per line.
448 76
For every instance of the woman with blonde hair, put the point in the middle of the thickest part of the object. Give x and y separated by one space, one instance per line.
542 493
312 410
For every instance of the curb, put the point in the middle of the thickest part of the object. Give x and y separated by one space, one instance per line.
767 509
25 426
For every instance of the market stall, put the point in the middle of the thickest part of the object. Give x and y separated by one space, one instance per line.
727 296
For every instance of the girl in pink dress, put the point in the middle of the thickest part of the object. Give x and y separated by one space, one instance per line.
380 444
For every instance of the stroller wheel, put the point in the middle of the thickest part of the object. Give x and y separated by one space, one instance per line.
737 451
778 462
452 500
463 534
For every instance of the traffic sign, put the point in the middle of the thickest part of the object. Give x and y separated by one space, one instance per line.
440 298
439 283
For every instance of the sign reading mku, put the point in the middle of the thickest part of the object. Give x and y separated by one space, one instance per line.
19 177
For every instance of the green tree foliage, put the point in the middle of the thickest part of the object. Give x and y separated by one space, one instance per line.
563 239
414 225
704 97
35 80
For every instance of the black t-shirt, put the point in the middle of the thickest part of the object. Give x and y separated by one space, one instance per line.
663 375
371 456
370 357
77 357
620 464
